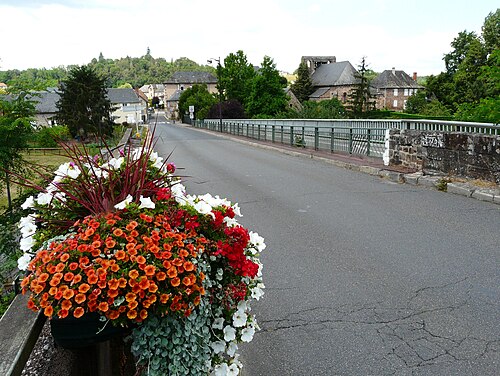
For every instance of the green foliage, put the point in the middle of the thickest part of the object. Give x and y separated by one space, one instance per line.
491 31
47 137
416 102
327 109
199 97
266 97
236 77
166 346
486 111
83 105
435 108
360 100
303 87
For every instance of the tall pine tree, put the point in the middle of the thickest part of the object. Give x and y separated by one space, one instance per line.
303 87
360 99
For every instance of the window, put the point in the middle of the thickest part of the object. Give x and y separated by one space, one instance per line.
395 103
406 93
344 97
395 92
404 104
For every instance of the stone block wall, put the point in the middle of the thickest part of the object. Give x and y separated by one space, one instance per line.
473 155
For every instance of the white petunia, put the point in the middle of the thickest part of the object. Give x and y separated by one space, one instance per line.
218 323
122 205
27 243
247 334
30 201
230 222
202 207
243 306
43 198
116 163
237 211
239 319
231 349
221 369
28 229
233 370
229 333
257 241
23 261
218 346
146 203
257 292
25 221
178 190
100 173
74 172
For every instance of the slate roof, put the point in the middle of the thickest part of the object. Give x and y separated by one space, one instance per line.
392 79
123 96
186 77
319 92
334 74
175 96
46 102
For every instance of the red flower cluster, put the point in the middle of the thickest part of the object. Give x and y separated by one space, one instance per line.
233 248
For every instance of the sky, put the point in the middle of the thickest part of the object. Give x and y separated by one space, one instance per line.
409 35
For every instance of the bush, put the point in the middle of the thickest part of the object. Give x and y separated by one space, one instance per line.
47 137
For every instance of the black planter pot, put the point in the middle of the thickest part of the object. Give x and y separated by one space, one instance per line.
73 333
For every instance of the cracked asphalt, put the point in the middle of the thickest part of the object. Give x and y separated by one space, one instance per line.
363 276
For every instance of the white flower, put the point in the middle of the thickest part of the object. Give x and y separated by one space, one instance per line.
25 221
100 173
236 209
230 222
257 291
178 190
247 334
43 198
221 369
146 203
218 346
233 370
23 261
27 243
122 205
218 323
28 229
231 349
243 306
136 154
157 161
67 169
202 207
30 201
229 333
257 241
239 319
115 163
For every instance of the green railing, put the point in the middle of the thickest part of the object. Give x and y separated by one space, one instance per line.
352 136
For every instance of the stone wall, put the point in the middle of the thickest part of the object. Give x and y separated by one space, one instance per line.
473 156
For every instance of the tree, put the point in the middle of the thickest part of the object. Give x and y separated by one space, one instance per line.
266 97
236 77
460 45
199 97
326 109
416 102
15 128
303 87
83 105
360 100
491 31
231 109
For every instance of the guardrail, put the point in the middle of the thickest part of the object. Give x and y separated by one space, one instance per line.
352 136
21 327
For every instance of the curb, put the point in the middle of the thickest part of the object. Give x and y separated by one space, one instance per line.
417 178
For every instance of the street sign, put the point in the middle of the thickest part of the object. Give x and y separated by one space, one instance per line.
191 109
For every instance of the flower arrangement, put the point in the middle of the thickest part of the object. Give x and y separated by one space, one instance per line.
123 239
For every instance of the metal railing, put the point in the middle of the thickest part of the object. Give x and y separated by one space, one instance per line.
352 136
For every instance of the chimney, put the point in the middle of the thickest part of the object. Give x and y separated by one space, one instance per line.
415 76
393 71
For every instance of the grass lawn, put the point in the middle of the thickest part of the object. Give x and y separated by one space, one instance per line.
48 159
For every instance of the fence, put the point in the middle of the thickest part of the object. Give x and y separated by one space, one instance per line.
352 136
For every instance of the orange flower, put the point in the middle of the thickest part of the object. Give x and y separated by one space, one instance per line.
42 278
112 293
133 304
48 311
110 243
66 304
186 281
112 315
102 284
167 264
161 276
113 284
123 282
77 278
83 247
164 298
134 274
96 243
134 233
141 260
153 287
188 266
150 270
130 296
183 253
63 313
80 298
68 277
120 255
132 314
143 314
175 281
131 225
172 272
118 232
110 222
78 312
38 289
73 266
92 279
89 232
144 283
54 281
115 268
60 267
83 288
197 300
103 306
68 294
52 291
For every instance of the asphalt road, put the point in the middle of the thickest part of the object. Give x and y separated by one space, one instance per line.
363 276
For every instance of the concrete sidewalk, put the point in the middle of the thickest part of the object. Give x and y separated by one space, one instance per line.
480 190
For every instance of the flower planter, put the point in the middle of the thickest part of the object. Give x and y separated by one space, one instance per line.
73 333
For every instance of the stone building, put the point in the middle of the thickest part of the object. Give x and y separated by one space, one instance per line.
332 79
392 88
